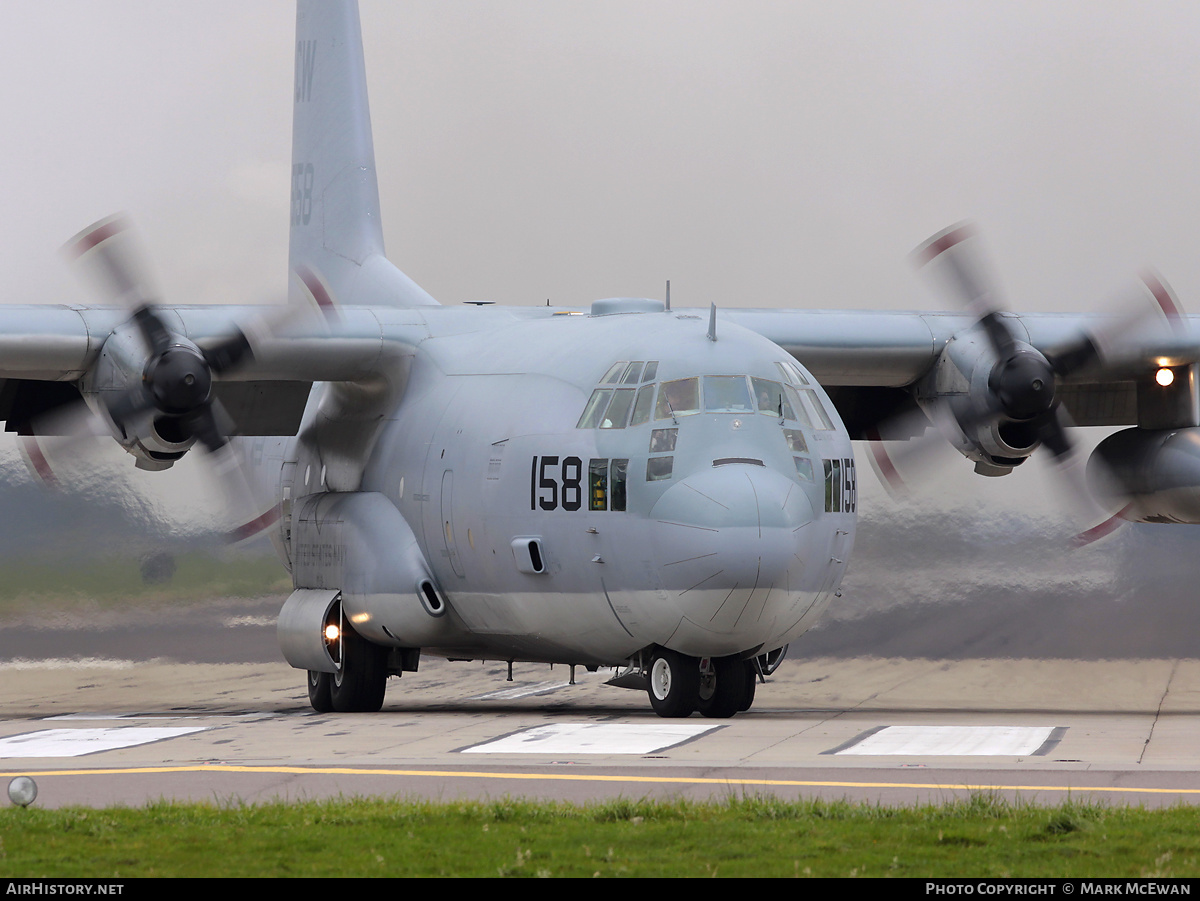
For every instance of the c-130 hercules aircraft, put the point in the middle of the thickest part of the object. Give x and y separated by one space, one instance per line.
667 492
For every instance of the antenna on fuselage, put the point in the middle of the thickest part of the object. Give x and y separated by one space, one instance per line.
712 323
668 307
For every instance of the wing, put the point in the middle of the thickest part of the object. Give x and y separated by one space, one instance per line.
52 355
873 363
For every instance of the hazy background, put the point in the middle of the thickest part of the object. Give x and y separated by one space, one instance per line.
757 154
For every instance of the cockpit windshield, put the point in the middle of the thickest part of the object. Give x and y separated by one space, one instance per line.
610 406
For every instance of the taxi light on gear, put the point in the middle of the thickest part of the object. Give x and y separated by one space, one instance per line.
332 632
1164 376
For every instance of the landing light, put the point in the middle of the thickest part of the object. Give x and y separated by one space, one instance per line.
331 632
1164 376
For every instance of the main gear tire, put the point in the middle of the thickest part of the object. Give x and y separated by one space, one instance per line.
359 685
730 683
319 686
674 683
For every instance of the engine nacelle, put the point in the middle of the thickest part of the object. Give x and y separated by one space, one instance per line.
155 441
358 544
1152 475
968 385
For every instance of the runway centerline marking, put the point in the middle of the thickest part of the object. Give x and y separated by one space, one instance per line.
584 777
591 738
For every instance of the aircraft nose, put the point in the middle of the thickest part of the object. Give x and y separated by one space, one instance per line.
736 496
732 540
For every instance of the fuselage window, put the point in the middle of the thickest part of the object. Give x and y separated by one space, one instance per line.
804 468
841 486
614 373
833 486
598 484
726 394
617 479
678 398
618 410
662 441
651 371
643 406
659 468
824 423
595 408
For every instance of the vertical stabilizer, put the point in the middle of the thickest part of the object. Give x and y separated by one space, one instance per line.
336 247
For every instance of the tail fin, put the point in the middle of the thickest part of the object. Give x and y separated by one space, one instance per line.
336 245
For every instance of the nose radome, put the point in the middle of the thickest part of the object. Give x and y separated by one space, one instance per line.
735 496
732 541
733 525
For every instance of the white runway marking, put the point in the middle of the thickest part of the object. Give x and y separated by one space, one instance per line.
917 741
234 622
77 742
528 689
73 663
520 691
92 717
591 738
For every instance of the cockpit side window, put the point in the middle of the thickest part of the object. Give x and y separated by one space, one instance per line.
643 406
595 408
678 398
614 373
618 410
774 401
792 373
824 423
632 374
800 414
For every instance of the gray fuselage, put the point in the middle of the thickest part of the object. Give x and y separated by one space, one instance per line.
717 521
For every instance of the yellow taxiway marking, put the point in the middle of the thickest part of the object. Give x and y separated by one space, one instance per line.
584 777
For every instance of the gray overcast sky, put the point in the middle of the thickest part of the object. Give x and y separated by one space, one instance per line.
757 154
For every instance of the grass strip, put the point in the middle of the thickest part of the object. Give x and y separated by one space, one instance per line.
982 836
115 582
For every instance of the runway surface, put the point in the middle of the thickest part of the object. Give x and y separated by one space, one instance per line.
134 707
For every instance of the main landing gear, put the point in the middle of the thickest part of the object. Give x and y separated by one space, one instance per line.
718 687
358 685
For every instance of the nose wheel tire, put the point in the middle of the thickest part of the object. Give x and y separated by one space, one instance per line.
674 683
726 689
359 685
319 685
